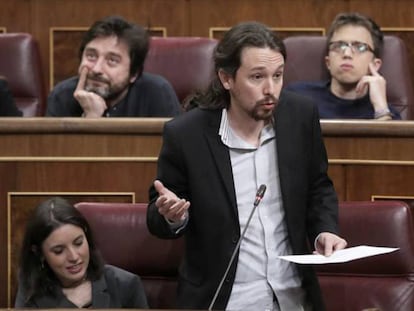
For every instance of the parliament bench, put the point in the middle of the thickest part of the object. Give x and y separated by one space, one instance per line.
384 281
121 235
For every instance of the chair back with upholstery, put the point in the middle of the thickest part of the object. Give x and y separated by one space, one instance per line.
20 64
384 281
121 235
306 62
186 62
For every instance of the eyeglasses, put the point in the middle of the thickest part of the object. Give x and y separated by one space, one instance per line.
355 46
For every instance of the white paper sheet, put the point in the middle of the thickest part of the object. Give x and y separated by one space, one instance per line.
343 255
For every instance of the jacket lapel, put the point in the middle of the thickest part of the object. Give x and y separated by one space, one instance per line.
100 296
221 156
285 150
60 301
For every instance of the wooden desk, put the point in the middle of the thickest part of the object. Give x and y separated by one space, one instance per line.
371 159
115 160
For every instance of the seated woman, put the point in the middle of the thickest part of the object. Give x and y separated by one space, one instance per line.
60 266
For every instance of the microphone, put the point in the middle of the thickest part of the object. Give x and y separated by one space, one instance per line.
259 196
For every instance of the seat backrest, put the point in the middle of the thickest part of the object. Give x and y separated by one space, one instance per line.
385 281
121 235
306 62
186 62
20 64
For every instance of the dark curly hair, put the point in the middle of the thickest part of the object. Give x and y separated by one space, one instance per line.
136 38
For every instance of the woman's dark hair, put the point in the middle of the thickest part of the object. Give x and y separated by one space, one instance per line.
357 19
35 275
135 37
227 57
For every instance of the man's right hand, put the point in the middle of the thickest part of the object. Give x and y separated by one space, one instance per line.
376 85
92 104
169 205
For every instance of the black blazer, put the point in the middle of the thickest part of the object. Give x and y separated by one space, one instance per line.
195 164
116 288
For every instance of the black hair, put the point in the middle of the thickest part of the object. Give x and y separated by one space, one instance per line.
136 38
35 275
357 19
227 57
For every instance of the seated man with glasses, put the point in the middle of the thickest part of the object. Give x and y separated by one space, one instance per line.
356 89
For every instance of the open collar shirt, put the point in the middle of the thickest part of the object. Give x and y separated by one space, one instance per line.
262 281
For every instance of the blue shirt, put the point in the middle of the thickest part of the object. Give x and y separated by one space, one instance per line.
333 107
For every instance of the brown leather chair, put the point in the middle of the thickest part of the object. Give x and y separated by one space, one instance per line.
20 64
385 281
121 234
186 62
306 62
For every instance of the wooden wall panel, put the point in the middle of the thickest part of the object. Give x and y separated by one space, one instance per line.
15 15
8 182
282 13
367 181
64 52
386 13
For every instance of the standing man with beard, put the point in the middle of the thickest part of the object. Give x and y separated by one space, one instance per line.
356 89
111 80
243 134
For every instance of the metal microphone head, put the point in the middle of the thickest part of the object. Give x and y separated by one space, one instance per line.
259 194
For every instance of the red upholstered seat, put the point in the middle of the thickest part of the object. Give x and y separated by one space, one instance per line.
186 62
385 281
305 62
121 235
20 64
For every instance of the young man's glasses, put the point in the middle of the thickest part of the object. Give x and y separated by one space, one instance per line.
355 46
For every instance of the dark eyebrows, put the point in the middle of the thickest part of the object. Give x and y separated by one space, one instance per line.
115 55
80 237
281 66
60 246
110 54
89 49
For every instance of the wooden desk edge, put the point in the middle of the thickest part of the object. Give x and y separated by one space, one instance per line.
348 128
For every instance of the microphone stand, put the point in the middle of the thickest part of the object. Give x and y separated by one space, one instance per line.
259 196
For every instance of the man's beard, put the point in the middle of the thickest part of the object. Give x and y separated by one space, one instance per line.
105 89
266 115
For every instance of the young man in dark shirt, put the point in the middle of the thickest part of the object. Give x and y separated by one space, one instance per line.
356 89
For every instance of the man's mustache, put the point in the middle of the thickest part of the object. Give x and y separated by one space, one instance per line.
268 99
98 78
